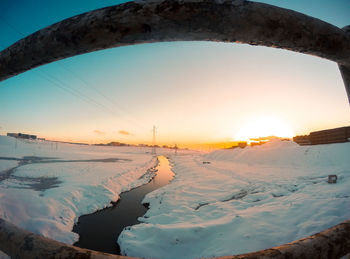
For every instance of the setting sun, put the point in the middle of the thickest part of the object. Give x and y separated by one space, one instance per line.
264 126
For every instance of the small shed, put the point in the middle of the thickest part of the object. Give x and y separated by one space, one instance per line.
332 178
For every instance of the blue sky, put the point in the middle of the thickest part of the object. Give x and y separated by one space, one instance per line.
192 91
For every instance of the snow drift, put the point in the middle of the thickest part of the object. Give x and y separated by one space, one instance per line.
238 201
243 200
80 187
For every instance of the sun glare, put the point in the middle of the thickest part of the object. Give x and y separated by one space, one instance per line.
263 127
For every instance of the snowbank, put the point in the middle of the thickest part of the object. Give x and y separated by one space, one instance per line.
287 153
244 200
48 197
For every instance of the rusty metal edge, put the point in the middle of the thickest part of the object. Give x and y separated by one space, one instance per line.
236 21
18 243
20 57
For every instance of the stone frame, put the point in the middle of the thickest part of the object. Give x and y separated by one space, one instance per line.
235 21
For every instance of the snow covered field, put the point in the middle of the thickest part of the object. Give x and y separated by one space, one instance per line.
243 200
47 196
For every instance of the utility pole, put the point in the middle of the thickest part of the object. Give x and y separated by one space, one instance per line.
154 141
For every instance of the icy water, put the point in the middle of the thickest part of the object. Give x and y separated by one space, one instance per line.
100 230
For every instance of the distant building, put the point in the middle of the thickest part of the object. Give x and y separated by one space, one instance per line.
302 140
255 143
15 135
337 135
113 143
22 135
263 140
242 144
26 136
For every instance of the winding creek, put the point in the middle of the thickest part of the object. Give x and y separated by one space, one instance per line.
100 230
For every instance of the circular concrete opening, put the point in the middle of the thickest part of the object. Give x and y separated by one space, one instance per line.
179 20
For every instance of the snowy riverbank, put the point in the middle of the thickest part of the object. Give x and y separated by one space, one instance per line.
244 200
47 196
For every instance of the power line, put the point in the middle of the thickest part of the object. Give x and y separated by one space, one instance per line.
12 27
73 91
59 83
86 83
112 102
50 79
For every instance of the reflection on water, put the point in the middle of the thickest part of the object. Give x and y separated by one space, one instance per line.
99 231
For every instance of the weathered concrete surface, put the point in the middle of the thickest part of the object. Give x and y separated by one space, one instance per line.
179 20
19 243
345 73
331 243
345 68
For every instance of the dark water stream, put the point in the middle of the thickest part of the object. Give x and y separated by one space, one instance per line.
100 230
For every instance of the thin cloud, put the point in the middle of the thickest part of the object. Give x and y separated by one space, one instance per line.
124 132
99 132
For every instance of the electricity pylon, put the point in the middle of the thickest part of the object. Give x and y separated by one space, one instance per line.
154 141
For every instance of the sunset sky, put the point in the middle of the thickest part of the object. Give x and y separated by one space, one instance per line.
194 92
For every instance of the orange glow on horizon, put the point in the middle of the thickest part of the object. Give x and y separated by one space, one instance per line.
262 127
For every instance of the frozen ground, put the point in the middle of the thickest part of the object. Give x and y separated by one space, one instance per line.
53 186
243 200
